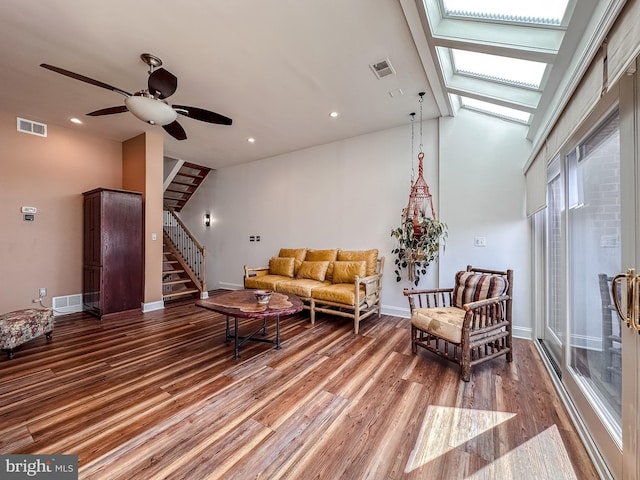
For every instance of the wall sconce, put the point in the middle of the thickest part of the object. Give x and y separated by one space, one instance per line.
207 219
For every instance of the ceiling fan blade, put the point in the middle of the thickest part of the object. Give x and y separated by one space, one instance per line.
82 78
202 115
109 111
175 130
162 82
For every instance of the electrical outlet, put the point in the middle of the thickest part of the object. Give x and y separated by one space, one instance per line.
42 292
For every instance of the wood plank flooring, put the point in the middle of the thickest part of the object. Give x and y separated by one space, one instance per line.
159 396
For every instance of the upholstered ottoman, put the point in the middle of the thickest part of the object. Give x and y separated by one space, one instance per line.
21 326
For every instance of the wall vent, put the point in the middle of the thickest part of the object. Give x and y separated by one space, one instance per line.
383 68
67 304
34 128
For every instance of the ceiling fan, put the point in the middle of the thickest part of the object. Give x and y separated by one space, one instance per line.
149 104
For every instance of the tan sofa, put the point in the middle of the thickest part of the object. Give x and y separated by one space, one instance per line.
347 283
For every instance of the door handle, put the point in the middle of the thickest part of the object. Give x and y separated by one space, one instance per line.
630 317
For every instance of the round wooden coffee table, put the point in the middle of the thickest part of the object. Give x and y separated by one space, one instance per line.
242 304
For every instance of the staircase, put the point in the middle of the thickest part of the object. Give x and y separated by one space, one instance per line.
183 262
176 282
184 184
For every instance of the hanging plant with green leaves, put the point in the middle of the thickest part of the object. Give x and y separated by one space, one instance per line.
418 243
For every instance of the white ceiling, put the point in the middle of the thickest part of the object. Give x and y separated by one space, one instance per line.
276 67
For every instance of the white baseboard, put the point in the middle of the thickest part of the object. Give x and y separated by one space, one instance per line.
396 311
230 286
522 332
151 306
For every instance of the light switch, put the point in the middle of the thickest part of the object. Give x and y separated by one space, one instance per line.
154 236
479 241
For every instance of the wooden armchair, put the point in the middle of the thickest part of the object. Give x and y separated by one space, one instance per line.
467 324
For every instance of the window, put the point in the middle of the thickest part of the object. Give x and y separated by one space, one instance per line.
541 12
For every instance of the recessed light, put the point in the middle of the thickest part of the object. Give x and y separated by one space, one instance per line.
76 120
251 140
334 114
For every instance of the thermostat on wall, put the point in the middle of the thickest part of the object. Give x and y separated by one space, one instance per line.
29 210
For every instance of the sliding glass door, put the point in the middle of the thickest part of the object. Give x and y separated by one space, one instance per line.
592 232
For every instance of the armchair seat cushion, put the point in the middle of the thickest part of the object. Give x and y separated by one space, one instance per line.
443 322
302 287
344 293
265 282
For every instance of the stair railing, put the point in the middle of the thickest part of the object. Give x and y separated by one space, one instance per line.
193 254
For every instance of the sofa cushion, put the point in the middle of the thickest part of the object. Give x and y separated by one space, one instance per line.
346 272
282 266
301 287
444 322
313 270
369 256
338 293
265 282
329 255
297 253
471 287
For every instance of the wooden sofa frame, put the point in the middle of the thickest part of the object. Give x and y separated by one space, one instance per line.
363 307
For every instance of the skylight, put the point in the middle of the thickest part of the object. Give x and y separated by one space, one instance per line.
496 110
546 12
522 73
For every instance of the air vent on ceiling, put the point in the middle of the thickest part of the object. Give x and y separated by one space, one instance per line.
34 128
383 68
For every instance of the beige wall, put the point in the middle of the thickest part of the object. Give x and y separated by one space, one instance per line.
142 160
50 174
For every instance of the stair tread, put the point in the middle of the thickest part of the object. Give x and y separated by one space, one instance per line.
176 270
190 291
177 282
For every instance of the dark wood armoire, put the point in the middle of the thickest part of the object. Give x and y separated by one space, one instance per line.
112 251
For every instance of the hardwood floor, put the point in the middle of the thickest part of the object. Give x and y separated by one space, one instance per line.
159 396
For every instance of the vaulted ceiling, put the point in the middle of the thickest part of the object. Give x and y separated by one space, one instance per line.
278 68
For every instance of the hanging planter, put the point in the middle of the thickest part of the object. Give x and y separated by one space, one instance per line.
419 237
417 248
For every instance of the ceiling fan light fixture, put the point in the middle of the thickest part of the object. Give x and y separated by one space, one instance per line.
150 109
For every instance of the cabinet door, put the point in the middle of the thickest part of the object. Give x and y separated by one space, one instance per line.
92 231
91 288
122 251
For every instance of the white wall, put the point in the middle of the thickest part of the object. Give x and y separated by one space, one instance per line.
350 194
482 193
346 194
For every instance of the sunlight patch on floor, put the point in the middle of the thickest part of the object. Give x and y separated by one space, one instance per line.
446 428
543 456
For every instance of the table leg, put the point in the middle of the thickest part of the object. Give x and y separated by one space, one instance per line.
278 332
236 353
227 335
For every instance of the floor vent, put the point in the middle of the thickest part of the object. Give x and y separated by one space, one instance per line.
382 68
34 128
67 304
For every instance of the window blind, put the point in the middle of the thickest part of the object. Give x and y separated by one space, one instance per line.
536 183
623 41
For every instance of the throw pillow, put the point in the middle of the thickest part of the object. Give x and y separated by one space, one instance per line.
346 272
313 270
282 266
369 256
471 287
